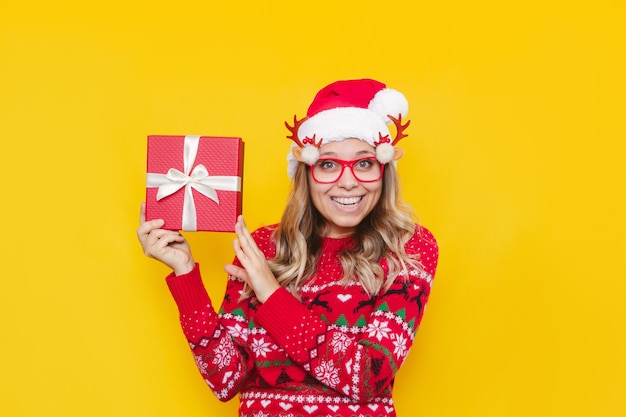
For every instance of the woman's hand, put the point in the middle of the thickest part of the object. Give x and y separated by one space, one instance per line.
166 246
256 271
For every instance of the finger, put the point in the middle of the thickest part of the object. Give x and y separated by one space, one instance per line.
150 238
247 259
236 272
246 241
169 235
241 229
148 227
238 250
167 239
155 223
159 242
142 212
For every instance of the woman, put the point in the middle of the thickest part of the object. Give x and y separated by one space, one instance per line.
320 311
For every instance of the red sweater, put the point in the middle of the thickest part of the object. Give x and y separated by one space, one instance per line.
334 353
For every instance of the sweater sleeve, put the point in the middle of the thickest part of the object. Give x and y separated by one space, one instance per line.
216 341
361 365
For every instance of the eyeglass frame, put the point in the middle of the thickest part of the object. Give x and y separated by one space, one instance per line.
349 164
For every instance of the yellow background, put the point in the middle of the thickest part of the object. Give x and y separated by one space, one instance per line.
515 160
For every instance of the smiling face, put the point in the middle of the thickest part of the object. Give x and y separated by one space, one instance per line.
345 203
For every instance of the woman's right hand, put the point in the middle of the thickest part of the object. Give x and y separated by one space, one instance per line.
166 246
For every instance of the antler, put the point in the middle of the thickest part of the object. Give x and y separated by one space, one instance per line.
294 130
400 128
294 134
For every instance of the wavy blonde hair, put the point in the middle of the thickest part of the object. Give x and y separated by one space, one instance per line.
381 235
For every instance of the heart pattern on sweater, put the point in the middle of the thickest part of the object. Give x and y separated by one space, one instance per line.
285 406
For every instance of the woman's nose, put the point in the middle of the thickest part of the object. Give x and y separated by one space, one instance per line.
347 179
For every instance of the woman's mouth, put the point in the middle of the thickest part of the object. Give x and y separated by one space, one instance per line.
347 201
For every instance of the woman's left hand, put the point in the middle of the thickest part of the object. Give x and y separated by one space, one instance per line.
256 271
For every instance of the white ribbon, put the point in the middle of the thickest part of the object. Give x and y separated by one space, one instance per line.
199 179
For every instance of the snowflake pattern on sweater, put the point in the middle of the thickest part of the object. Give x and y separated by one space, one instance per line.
333 353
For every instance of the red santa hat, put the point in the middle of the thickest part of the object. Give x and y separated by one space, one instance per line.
349 109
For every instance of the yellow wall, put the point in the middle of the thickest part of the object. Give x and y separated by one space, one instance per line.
515 161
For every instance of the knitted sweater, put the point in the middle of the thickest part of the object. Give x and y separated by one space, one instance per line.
333 353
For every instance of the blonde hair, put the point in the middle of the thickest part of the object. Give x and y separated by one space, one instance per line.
381 235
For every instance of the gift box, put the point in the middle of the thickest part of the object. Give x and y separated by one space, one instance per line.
194 183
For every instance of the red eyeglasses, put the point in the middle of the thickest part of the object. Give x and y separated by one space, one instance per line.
329 170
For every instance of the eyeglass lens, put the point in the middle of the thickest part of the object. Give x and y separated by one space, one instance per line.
330 170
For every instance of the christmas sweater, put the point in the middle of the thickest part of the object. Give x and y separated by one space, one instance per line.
332 352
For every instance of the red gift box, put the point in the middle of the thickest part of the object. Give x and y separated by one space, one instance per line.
194 183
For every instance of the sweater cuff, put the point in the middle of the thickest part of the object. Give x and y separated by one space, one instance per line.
281 314
188 290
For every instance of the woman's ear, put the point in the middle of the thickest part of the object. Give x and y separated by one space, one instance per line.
397 153
297 153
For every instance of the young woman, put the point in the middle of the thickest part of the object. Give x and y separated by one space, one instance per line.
320 310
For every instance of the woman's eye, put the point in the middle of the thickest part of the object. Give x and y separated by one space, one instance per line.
327 164
364 163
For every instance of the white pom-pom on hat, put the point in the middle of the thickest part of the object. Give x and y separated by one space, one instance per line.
310 154
389 102
385 153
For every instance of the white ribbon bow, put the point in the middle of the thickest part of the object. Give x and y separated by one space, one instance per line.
199 179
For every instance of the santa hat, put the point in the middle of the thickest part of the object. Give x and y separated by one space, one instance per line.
349 109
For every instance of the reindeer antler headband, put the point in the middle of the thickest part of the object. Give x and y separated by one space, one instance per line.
349 109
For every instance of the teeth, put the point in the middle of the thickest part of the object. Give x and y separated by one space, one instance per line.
347 200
